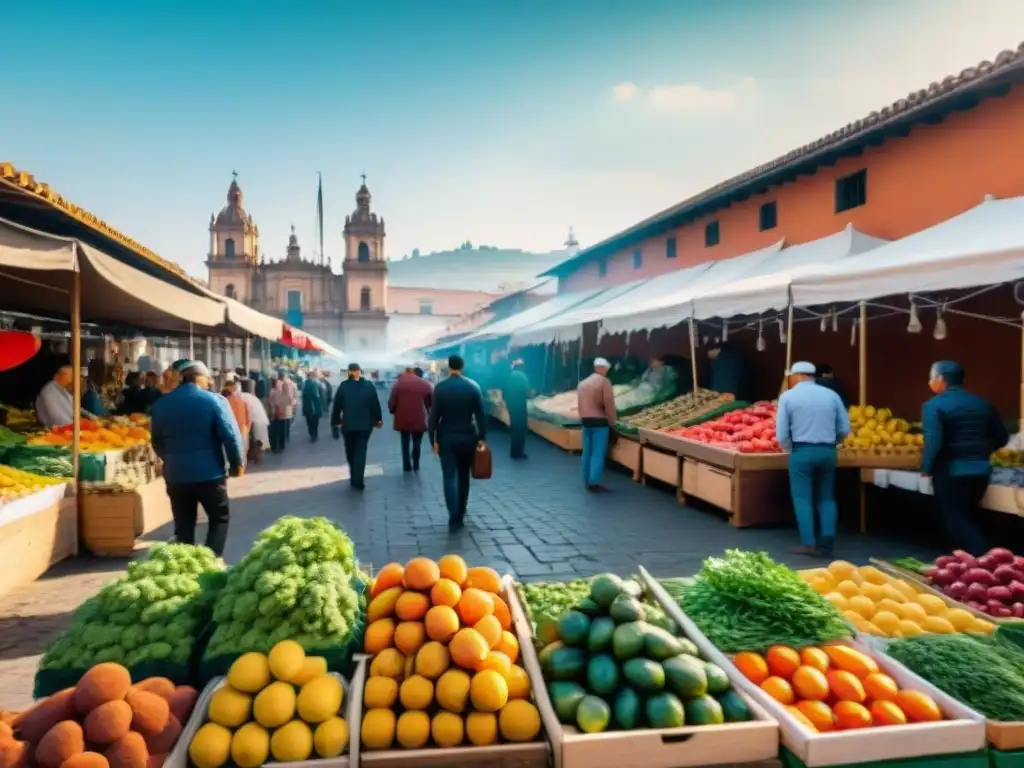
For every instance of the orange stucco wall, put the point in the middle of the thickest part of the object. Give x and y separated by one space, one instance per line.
454 303
936 172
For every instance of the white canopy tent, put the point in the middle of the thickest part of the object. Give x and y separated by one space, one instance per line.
568 325
982 246
536 314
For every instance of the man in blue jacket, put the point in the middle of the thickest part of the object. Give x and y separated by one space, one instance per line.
356 413
195 434
961 432
312 405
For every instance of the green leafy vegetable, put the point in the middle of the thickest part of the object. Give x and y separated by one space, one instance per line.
911 564
745 601
549 600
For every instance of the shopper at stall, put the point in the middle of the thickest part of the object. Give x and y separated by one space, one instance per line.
133 397
826 377
516 395
356 412
312 405
961 432
326 389
456 427
55 406
596 402
259 436
152 389
91 402
280 403
810 422
409 403
728 371
239 406
195 435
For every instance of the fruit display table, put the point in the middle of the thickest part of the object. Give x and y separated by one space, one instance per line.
999 498
567 438
112 519
36 532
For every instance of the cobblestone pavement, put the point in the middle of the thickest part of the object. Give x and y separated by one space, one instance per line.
533 519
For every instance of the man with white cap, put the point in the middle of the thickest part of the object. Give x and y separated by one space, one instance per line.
810 422
596 403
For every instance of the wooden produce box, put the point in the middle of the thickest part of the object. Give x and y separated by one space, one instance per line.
111 521
567 438
36 532
749 496
863 459
627 452
661 466
963 732
689 745
535 754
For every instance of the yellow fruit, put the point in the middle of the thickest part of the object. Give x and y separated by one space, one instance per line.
841 569
848 588
872 592
862 605
872 575
452 691
379 635
889 591
960 619
519 721
886 621
410 667
827 581
488 691
938 625
509 646
274 705
909 628
380 692
885 604
250 746
292 742
840 601
286 660
383 605
389 663
497 661
312 666
409 637
983 627
416 693
250 673
331 737
413 729
914 612
447 730
518 683
229 707
935 606
320 699
432 660
211 746
378 731
481 728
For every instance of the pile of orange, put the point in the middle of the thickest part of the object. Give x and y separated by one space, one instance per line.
444 665
834 688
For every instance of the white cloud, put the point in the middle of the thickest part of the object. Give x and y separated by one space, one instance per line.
624 92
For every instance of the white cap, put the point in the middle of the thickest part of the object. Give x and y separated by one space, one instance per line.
600 362
803 368
232 376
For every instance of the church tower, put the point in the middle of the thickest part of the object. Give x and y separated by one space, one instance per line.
366 279
234 248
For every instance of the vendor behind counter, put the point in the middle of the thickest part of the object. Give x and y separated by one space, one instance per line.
728 371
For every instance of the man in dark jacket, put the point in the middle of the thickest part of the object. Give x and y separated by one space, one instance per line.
517 393
457 425
826 377
409 402
961 432
312 405
356 413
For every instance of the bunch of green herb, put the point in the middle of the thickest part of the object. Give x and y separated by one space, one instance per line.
745 601
985 673
911 564
550 600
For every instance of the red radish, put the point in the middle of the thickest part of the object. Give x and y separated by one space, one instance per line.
1001 612
977 592
930 574
1000 593
1005 573
957 567
981 576
976 605
1018 561
1000 555
1017 609
993 606
944 561
987 563
1017 590
965 557
943 577
957 589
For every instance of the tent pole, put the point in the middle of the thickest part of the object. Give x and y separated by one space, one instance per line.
191 343
789 336
693 354
863 399
76 364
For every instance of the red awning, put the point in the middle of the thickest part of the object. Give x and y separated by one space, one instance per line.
16 347
293 337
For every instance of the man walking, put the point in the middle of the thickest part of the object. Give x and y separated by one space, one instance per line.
409 402
194 432
292 391
457 426
961 432
280 403
516 395
259 436
810 422
356 413
312 405
596 402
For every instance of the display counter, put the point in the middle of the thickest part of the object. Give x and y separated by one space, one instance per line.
567 438
999 498
626 451
36 532
111 520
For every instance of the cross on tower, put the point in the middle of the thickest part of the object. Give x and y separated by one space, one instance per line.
234 175
363 177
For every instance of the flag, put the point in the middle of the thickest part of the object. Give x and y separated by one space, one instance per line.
320 213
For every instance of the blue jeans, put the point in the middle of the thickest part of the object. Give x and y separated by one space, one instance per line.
812 483
595 449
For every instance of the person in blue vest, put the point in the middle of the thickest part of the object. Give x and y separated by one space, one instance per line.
961 432
810 422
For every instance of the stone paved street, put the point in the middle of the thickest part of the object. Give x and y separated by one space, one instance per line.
533 519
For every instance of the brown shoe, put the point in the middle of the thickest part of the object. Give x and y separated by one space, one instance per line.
806 551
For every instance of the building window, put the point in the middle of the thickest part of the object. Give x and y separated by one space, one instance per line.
229 291
852 191
364 299
364 251
602 268
670 248
294 301
229 248
638 258
768 216
711 234
426 306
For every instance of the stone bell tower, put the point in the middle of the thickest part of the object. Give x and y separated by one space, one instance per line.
234 248
366 278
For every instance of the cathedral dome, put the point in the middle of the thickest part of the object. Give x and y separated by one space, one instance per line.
233 214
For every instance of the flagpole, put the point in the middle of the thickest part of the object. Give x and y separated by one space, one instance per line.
320 212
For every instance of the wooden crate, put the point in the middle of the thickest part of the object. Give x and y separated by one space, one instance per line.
40 531
627 452
110 522
709 745
566 438
664 467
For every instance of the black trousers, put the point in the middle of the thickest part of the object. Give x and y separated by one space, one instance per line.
356 443
959 498
278 434
313 425
457 454
411 445
517 427
185 501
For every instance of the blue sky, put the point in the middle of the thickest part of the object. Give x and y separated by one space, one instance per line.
500 122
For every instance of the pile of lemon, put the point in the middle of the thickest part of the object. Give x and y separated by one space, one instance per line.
878 604
16 483
284 704
445 662
874 428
